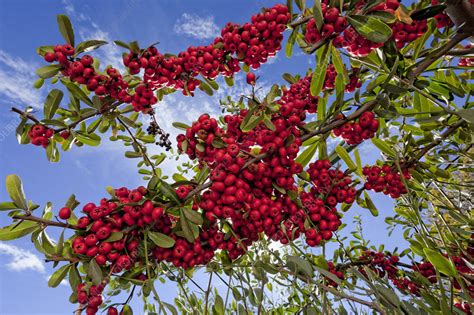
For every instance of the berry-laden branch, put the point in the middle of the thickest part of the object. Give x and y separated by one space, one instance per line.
26 115
45 222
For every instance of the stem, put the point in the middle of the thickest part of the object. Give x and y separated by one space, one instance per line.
26 115
141 147
46 222
207 294
443 50
300 21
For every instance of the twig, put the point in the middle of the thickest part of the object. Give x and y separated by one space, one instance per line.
26 115
140 146
46 222
443 50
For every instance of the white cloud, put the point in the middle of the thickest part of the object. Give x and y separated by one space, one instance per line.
21 259
196 26
16 81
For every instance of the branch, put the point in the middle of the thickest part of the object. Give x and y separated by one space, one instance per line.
46 222
435 55
25 115
300 21
451 129
141 147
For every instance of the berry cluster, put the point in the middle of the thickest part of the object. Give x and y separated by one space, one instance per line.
406 33
324 219
339 274
90 297
331 184
333 23
252 43
39 135
385 179
466 62
357 131
82 71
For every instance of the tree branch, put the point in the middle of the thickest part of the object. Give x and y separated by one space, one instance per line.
435 55
26 115
46 222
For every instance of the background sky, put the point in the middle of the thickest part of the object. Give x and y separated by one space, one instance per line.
86 171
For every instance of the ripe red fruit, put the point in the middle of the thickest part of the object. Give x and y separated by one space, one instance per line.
112 311
251 78
65 213
50 57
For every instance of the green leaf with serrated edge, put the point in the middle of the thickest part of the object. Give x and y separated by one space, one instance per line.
370 205
342 153
89 45
370 27
169 192
65 27
161 240
319 73
77 92
441 263
52 103
193 216
318 14
47 72
185 226
58 276
16 230
15 191
383 146
180 125
94 272
305 157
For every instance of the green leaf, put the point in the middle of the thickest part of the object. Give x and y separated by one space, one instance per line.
193 216
38 83
15 191
65 27
319 73
342 153
300 266
122 44
86 138
52 103
370 205
48 71
467 115
114 236
229 81
8 206
186 227
318 14
428 12
78 93
74 277
89 45
252 122
218 306
305 157
181 126
203 86
301 4
58 276
169 192
383 146
290 43
371 28
16 230
161 240
443 264
94 272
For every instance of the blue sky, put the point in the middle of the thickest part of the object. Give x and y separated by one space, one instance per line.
25 25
